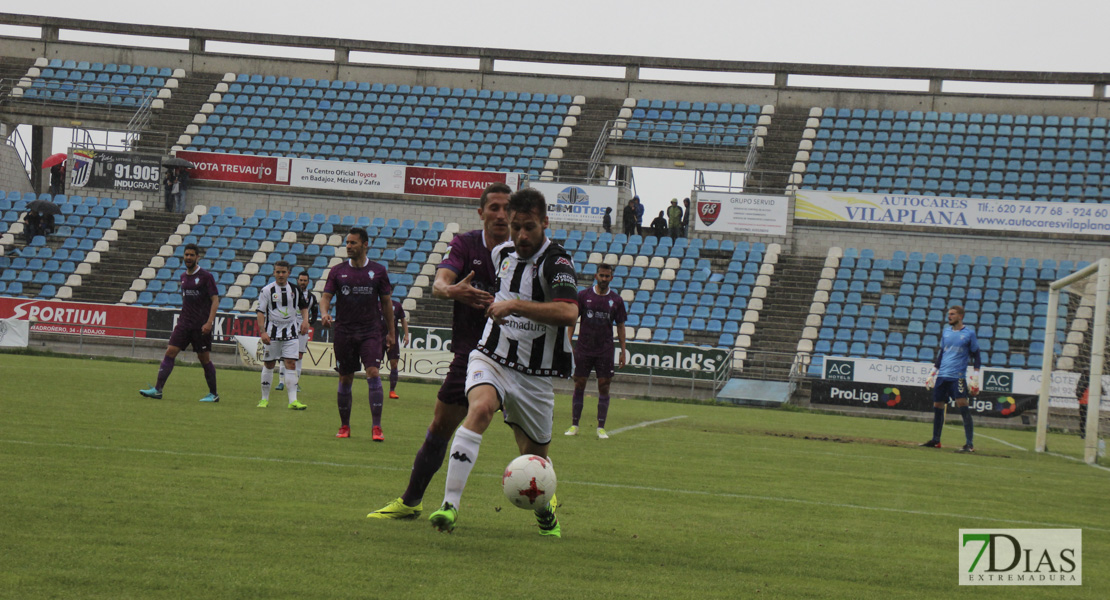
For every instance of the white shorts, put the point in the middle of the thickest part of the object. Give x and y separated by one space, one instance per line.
527 401
279 349
302 346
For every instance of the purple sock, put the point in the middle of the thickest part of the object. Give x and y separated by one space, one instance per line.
576 402
210 376
393 374
375 385
343 398
164 371
602 410
428 461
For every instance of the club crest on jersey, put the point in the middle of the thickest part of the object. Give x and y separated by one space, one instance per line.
505 265
196 281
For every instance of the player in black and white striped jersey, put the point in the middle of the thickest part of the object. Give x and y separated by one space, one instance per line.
282 314
524 344
303 284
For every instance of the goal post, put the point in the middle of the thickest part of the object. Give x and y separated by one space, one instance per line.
1083 349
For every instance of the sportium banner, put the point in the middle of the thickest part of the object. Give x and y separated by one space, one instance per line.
720 212
344 175
50 316
581 204
953 213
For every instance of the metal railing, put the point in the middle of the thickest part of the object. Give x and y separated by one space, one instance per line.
140 120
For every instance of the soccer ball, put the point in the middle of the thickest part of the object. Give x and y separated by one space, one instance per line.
529 481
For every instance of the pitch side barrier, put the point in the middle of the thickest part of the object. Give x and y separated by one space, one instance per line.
428 355
900 386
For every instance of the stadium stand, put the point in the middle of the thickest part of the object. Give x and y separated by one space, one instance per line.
894 308
94 83
433 126
697 124
1014 157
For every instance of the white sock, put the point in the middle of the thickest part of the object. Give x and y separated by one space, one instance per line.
291 385
464 451
281 370
267 379
300 361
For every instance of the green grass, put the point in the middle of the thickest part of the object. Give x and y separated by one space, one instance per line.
110 495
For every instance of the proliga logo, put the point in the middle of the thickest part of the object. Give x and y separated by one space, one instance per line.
1021 557
891 396
1007 405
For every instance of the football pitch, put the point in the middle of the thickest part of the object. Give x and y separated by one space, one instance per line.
110 495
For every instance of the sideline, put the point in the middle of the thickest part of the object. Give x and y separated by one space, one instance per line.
644 424
576 482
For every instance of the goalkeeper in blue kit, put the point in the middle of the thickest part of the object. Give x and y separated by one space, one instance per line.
958 347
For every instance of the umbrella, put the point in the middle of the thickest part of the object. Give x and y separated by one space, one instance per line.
45 207
54 159
178 162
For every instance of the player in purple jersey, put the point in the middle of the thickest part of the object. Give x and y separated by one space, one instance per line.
394 352
466 275
200 299
599 309
363 308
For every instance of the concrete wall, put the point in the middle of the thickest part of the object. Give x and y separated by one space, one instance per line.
12 176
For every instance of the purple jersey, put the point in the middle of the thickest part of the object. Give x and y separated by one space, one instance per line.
398 316
598 314
197 289
356 293
465 254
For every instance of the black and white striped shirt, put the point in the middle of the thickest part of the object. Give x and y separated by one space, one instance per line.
281 306
523 344
312 304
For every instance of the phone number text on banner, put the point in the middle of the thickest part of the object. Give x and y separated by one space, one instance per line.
957 213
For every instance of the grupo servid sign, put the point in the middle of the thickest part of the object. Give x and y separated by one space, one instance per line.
343 175
753 214
972 214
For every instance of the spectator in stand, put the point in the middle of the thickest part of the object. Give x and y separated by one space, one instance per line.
659 226
628 219
32 225
167 188
686 217
674 218
639 215
58 179
182 186
47 225
607 220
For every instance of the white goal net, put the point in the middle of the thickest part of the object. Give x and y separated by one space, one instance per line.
1074 378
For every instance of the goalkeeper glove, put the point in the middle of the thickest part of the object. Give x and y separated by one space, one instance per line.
973 383
932 379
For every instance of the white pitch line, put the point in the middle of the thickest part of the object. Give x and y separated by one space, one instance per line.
645 424
1003 442
589 483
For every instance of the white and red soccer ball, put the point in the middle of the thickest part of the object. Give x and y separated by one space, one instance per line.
529 481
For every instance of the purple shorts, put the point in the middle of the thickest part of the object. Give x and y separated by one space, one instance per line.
393 353
602 364
354 350
183 337
453 390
